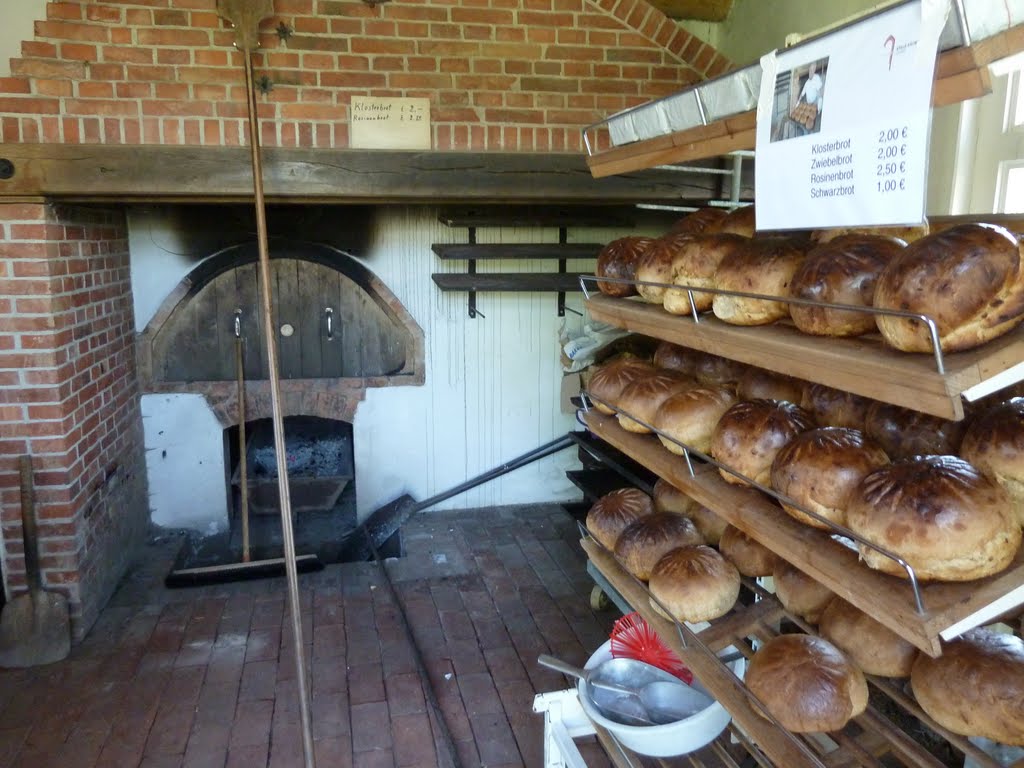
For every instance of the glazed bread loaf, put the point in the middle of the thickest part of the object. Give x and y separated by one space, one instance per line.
836 408
994 443
673 357
702 220
691 416
750 557
764 267
642 398
614 511
806 683
668 498
967 278
903 433
841 271
799 593
695 264
907 234
710 525
644 541
940 514
717 371
655 266
750 434
821 468
608 381
872 646
618 260
693 584
976 687
740 221
759 384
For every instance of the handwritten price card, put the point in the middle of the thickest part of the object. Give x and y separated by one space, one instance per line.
842 123
389 123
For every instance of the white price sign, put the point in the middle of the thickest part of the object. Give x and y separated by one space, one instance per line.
842 124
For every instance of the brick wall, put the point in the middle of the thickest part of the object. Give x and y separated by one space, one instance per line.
500 74
69 397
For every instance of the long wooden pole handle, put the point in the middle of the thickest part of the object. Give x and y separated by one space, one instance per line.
29 533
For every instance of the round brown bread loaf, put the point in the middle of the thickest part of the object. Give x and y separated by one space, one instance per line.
717 371
872 646
907 234
642 398
750 433
940 514
820 469
673 357
608 381
841 271
618 260
614 511
994 443
643 542
655 266
693 584
750 557
740 221
668 498
976 687
903 433
694 266
759 384
806 683
799 593
701 220
710 525
836 408
967 278
691 416
765 267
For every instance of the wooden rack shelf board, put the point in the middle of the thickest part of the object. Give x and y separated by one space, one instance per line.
466 251
887 598
561 282
862 365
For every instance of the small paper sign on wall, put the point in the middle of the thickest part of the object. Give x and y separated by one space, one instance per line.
842 123
379 122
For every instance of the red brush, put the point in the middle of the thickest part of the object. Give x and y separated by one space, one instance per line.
633 638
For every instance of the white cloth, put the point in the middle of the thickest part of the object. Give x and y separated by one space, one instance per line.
811 92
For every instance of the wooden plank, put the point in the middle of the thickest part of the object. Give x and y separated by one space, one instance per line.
862 365
680 151
121 174
534 216
311 277
508 281
954 61
252 325
288 311
227 302
333 350
999 46
960 87
887 598
518 251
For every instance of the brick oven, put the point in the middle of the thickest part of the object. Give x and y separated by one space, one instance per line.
117 113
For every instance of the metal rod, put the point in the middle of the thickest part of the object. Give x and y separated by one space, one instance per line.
287 534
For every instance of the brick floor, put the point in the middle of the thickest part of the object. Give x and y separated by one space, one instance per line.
205 677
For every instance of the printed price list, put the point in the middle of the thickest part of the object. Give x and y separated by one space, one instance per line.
891 167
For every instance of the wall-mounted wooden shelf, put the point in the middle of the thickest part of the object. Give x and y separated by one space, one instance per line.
508 281
467 251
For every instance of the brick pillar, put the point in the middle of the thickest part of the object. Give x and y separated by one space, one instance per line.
69 397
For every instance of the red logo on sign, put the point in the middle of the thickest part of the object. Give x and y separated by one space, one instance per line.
890 42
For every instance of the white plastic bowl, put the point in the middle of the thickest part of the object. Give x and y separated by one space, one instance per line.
678 738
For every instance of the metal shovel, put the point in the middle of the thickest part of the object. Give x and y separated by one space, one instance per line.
634 693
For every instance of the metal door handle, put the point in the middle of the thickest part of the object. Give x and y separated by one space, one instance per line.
238 323
330 323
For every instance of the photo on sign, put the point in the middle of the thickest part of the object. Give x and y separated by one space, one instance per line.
799 100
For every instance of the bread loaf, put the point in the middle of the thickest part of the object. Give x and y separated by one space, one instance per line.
608 381
841 271
676 358
750 434
710 524
750 557
690 417
967 278
644 541
693 584
820 469
836 408
701 220
655 266
799 593
759 384
806 683
907 234
614 511
994 443
903 433
618 260
740 221
717 371
764 267
872 646
641 399
940 514
976 687
668 498
695 264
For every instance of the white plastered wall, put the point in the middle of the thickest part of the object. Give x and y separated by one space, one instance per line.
17 19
